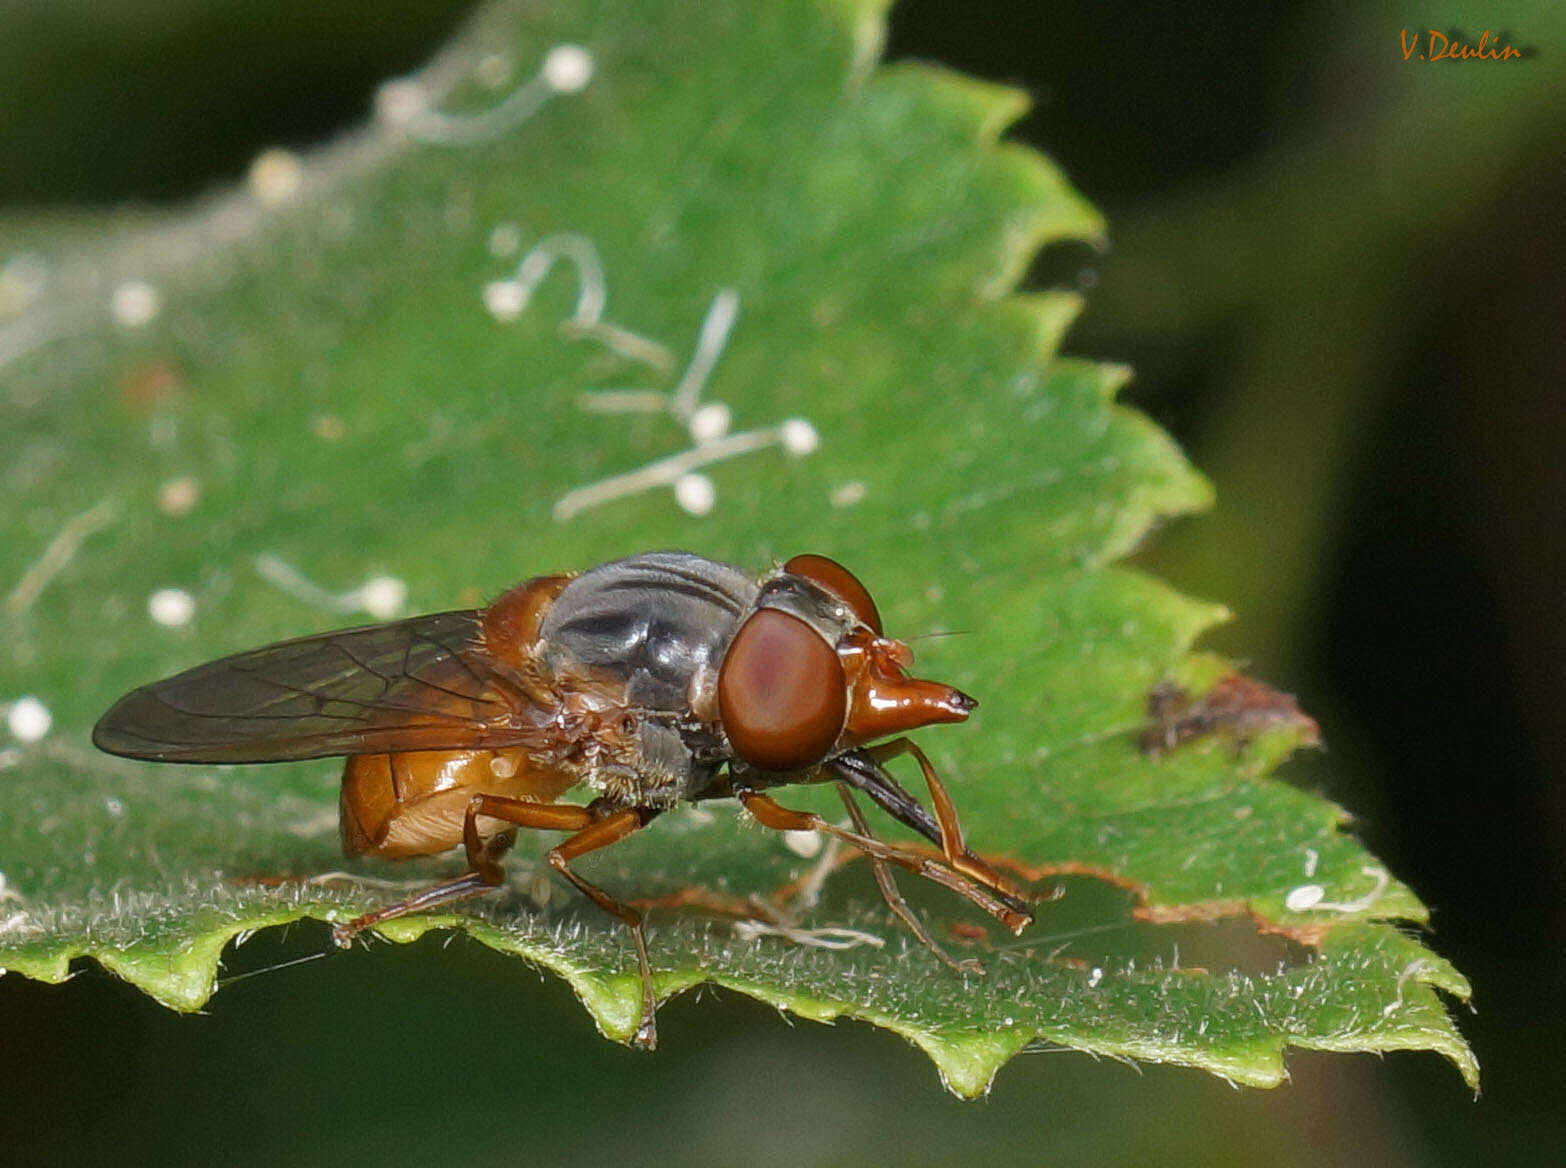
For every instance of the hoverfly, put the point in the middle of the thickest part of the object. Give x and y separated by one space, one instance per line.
651 680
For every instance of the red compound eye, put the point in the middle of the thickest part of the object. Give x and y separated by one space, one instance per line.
782 694
841 583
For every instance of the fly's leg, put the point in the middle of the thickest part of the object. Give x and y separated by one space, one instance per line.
887 883
596 826
484 868
956 851
612 828
770 813
945 810
469 884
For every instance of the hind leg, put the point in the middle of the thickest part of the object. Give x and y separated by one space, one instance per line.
484 868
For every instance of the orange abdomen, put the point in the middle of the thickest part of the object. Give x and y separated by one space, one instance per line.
413 804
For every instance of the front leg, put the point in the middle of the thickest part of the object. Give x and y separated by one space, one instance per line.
887 883
956 851
770 813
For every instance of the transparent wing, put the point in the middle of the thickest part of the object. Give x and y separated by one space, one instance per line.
419 684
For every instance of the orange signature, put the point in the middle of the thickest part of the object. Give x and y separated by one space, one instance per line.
1444 46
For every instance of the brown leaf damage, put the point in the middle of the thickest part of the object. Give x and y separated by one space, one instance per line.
1237 706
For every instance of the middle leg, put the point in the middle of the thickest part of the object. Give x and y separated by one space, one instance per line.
770 813
612 828
956 851
887 883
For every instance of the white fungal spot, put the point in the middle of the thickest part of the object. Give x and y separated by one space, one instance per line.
383 597
711 339
173 608
275 176
493 71
400 101
1382 881
582 254
61 551
664 470
1304 898
799 436
407 104
504 240
322 823
1094 977
1411 970
1312 858
135 303
505 299
695 493
114 807
848 494
568 68
804 844
708 424
810 886
22 279
28 719
179 496
328 427
502 766
828 938
711 421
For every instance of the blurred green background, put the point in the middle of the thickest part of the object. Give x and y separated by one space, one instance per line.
1342 279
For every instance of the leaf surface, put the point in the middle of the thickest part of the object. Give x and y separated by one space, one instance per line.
389 364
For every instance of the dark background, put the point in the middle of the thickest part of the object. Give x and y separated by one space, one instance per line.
1340 277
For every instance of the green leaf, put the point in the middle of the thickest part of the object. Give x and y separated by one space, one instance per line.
331 376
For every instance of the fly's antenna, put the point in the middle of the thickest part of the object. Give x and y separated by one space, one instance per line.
934 635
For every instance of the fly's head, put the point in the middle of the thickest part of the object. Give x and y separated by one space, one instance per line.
809 673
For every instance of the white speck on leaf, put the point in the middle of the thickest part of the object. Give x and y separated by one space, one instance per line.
504 240
400 101
179 496
805 844
28 719
383 597
1305 897
493 71
568 68
848 494
406 104
275 176
695 493
800 437
828 938
504 299
173 608
135 303
711 421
